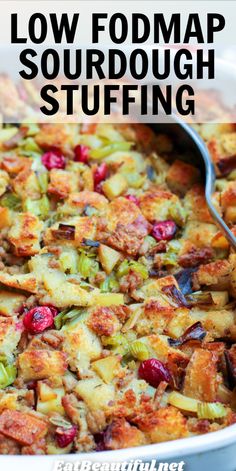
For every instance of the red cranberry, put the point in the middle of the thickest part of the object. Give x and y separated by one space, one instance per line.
154 371
81 154
100 173
65 436
53 310
133 198
98 188
99 439
164 230
53 159
38 319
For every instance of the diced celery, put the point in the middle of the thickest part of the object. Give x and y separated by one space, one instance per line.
135 180
7 133
102 152
211 410
178 213
151 241
44 206
87 266
139 268
43 181
108 132
7 375
37 165
69 261
67 316
32 129
123 269
139 350
109 284
183 402
91 140
39 208
29 145
11 201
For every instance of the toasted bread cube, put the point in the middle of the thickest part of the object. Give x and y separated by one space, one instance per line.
152 287
107 368
24 428
14 164
10 302
181 177
9 336
123 435
214 274
163 425
62 183
53 135
42 364
200 233
160 347
95 393
81 345
121 211
201 379
26 185
63 293
228 196
108 257
26 282
24 234
4 180
220 298
228 142
85 228
196 205
77 202
5 217
230 214
115 186
155 205
179 323
219 324
103 321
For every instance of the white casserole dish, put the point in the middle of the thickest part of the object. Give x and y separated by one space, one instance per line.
214 451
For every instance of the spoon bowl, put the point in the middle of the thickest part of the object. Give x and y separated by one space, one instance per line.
185 137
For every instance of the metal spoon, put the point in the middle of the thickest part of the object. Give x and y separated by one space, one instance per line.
186 137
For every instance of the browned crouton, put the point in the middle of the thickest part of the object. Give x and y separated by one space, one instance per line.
103 321
163 425
213 274
201 376
41 364
181 176
24 428
120 434
24 234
